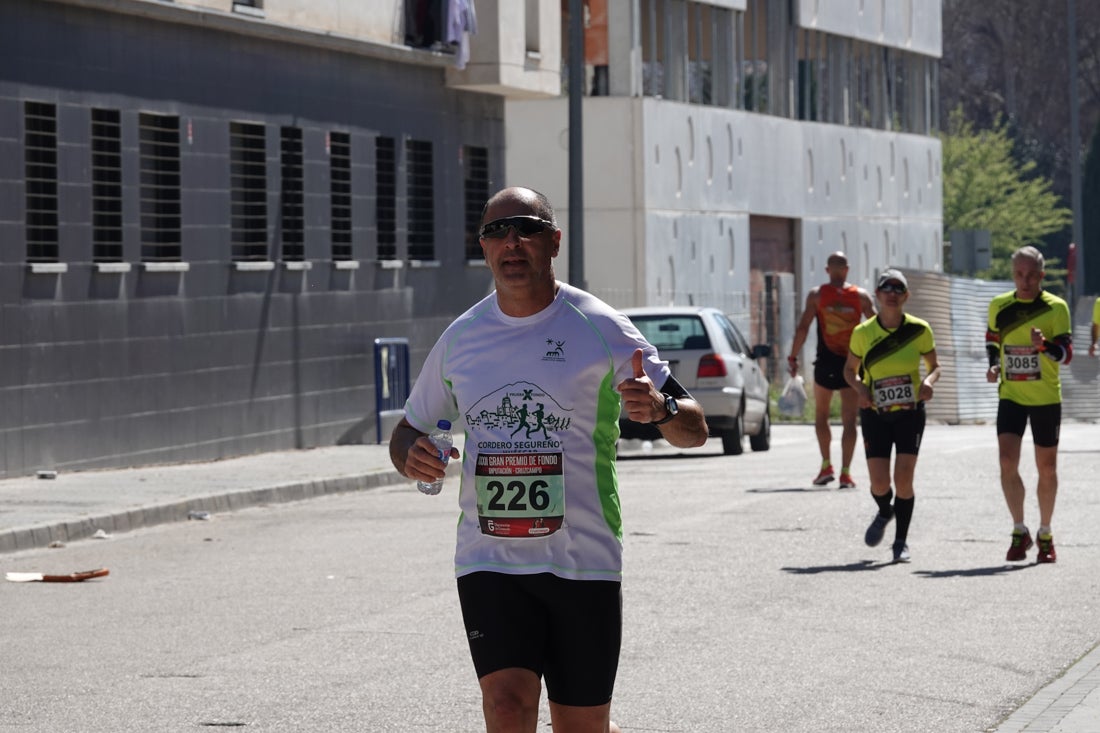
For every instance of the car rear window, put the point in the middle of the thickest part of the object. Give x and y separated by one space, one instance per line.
673 332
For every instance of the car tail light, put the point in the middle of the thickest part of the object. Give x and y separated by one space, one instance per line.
710 366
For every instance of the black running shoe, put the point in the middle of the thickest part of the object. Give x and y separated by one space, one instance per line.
877 529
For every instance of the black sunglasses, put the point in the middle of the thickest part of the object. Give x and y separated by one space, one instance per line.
525 226
892 287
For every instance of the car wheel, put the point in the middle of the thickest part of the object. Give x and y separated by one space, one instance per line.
733 443
763 440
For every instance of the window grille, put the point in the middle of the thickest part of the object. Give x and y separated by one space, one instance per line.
106 142
421 200
292 206
159 152
476 191
340 194
385 207
40 180
248 191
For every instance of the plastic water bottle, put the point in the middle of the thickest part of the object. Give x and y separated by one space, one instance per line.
442 440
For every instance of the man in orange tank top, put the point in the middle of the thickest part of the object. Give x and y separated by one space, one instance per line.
838 306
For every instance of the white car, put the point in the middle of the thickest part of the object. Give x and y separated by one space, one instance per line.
713 361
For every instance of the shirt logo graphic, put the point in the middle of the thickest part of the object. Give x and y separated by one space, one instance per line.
522 410
556 351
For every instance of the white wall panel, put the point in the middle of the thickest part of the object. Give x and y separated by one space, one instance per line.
912 25
673 174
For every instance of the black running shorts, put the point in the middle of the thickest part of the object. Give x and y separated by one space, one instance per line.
882 432
566 631
1046 421
829 370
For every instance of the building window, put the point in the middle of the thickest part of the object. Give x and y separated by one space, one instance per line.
159 151
292 202
385 207
531 29
248 191
106 185
419 191
249 7
40 144
475 162
339 166
702 37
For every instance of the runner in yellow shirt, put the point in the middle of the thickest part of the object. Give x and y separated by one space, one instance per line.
1029 337
890 348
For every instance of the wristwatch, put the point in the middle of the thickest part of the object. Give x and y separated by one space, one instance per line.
671 407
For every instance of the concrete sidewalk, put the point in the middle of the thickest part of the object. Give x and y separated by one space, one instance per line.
35 512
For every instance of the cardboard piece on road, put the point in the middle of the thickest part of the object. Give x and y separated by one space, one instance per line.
70 578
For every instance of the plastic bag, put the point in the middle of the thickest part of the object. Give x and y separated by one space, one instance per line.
792 402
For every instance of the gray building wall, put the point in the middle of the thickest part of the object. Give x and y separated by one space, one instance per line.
113 369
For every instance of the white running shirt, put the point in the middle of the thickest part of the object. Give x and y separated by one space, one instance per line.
539 489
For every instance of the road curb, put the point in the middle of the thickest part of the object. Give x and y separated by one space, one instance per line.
1064 704
41 536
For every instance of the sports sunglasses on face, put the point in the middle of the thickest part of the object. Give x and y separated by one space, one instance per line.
525 226
892 287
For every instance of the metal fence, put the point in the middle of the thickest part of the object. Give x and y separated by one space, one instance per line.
957 309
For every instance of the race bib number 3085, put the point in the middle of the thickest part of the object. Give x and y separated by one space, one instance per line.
1021 364
520 494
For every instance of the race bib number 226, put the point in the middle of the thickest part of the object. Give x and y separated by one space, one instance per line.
520 494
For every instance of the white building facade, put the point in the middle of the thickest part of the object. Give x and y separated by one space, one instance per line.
731 145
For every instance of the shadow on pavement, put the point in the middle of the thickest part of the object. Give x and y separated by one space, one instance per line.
850 567
640 456
794 490
973 572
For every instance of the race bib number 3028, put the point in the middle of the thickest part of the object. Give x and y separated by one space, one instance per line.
893 392
520 494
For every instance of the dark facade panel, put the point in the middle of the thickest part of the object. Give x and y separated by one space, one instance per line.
101 368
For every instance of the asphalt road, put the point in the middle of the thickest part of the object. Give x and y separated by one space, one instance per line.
751 604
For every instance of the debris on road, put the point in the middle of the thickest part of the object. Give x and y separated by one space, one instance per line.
70 578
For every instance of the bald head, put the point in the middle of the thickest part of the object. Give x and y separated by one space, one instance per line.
535 202
837 259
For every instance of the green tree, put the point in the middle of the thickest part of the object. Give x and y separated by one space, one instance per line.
984 187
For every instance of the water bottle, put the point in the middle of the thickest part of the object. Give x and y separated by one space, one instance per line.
441 439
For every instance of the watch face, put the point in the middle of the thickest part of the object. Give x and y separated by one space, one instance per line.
671 405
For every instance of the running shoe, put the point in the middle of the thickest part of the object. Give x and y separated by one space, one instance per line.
877 529
1046 549
824 477
901 553
846 481
1021 543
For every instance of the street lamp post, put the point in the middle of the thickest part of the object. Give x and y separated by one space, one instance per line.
1075 154
576 143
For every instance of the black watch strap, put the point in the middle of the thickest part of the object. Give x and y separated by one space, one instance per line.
671 407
